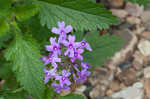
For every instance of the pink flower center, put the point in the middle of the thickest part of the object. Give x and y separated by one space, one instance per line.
62 31
83 43
47 74
55 48
70 46
63 78
75 54
50 59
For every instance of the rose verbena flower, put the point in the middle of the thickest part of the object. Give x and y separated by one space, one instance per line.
64 64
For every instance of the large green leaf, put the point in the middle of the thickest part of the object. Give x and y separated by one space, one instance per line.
72 96
81 14
26 11
27 66
102 48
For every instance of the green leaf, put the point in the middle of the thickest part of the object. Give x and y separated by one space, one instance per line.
1 97
72 96
24 12
81 14
5 69
33 27
49 93
26 64
20 95
79 35
4 26
102 48
4 7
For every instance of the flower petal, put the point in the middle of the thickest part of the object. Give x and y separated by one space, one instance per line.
48 47
68 29
88 47
61 24
55 30
71 38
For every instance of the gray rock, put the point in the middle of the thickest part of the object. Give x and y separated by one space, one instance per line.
144 47
147 72
134 9
146 19
133 92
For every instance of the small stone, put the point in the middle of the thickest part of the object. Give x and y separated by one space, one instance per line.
114 85
146 18
109 92
139 29
127 77
80 89
65 92
99 90
133 20
146 35
116 3
122 86
134 9
138 60
138 85
119 13
144 47
129 93
147 72
147 88
101 76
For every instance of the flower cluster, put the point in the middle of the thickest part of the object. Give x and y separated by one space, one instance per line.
65 59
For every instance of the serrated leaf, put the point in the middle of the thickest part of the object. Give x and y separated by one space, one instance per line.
102 48
24 12
4 26
72 96
26 64
81 14
33 27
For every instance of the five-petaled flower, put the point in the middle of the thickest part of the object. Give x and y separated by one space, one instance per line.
71 46
54 47
49 74
62 30
51 59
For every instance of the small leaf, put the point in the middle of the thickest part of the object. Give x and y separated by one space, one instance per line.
72 96
25 56
24 12
4 26
102 48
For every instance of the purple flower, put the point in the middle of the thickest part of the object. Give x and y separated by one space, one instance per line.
82 75
49 74
51 59
54 47
84 44
64 80
59 88
62 30
85 65
77 55
71 46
